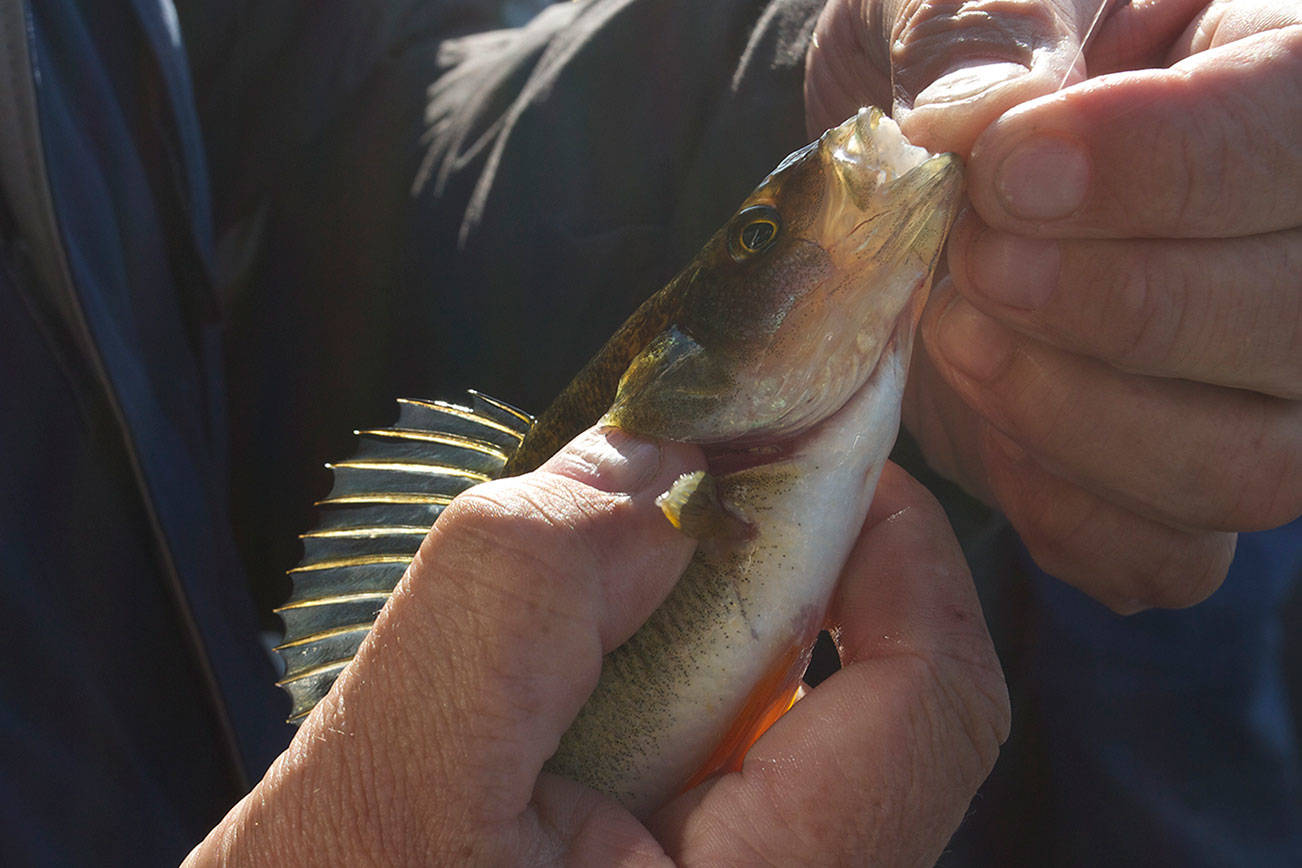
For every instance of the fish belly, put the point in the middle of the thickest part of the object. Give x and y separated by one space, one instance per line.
694 686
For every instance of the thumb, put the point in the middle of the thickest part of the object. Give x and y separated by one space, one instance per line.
432 739
493 640
957 69
952 68
521 587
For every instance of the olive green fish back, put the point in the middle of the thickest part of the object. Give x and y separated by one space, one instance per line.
382 504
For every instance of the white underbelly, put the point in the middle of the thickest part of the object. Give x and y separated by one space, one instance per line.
669 695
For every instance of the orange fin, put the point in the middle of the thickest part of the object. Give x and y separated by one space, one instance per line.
771 698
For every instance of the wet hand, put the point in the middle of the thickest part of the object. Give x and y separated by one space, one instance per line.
1114 360
430 747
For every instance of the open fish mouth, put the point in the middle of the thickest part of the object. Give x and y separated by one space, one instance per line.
867 151
879 179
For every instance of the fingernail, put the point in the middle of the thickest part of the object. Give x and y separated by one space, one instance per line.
609 459
1045 177
1012 270
965 80
973 342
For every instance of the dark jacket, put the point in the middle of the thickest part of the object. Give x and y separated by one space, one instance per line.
170 352
221 258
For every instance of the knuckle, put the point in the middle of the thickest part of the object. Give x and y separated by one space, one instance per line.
502 511
965 719
502 538
846 67
1151 298
1200 195
483 513
1255 483
978 701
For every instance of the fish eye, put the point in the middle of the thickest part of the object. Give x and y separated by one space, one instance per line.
757 228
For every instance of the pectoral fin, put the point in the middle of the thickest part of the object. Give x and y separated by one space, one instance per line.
692 504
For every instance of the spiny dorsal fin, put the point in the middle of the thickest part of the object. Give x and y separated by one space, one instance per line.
384 499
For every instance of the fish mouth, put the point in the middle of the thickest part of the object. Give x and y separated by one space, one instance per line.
868 151
884 192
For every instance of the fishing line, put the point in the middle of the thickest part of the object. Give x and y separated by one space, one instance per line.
1089 36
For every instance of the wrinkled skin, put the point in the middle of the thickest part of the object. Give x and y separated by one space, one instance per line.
1113 361
429 748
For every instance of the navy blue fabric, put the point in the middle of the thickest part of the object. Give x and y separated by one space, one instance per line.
161 27
113 739
1168 734
108 749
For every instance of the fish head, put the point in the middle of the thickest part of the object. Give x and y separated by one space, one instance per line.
789 308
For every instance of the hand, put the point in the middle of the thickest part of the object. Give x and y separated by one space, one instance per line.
429 749
1114 361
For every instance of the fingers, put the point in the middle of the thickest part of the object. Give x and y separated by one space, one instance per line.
427 749
959 66
493 639
1178 452
948 68
1225 22
1207 148
847 65
885 756
1171 308
1123 560
1139 35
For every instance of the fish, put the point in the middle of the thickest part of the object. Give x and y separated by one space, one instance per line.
782 349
